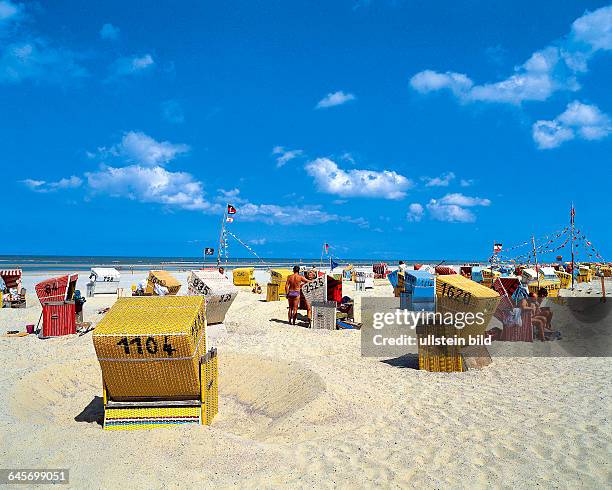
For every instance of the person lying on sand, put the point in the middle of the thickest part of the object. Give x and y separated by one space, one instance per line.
293 289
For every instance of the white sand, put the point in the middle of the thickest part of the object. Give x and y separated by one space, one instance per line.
302 408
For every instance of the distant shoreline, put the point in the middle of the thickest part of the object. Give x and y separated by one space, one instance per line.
57 263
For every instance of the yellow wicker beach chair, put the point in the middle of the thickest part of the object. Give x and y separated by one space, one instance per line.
155 368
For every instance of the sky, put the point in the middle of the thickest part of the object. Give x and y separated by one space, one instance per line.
388 129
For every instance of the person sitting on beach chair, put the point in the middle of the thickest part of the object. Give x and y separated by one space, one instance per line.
542 316
293 289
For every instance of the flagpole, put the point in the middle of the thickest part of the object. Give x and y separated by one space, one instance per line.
572 232
322 252
221 236
535 257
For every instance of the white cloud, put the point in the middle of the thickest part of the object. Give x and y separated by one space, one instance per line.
547 70
258 241
131 65
151 184
463 200
284 156
450 213
466 182
9 11
452 208
595 28
577 121
109 31
415 212
44 186
138 147
334 99
172 111
331 179
430 81
442 181
285 215
37 60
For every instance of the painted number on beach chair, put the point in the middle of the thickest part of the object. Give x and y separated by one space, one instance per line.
150 344
456 294
316 284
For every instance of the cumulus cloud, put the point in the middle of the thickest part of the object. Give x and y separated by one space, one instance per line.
463 200
10 11
138 147
466 182
450 212
442 181
331 179
44 186
36 59
334 99
577 121
285 215
152 185
430 81
110 32
415 212
283 156
132 65
548 70
452 208
258 241
33 57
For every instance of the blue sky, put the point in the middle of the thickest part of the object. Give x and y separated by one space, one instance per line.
386 128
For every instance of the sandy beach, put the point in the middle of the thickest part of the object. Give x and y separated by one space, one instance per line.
302 408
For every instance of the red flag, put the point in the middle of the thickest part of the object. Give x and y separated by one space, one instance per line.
497 247
327 248
573 213
231 209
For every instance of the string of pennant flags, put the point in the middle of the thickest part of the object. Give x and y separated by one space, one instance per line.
244 245
550 243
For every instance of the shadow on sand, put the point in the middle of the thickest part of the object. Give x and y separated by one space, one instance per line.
409 361
94 412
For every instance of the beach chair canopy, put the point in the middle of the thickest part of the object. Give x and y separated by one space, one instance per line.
57 288
529 273
420 278
102 274
548 272
11 278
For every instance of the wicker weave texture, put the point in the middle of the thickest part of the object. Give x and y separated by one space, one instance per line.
455 294
163 278
149 347
150 418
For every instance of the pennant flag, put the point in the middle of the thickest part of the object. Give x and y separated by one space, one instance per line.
332 264
327 248
231 209
230 219
497 247
209 251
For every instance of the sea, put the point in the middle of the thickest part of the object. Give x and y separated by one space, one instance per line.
85 262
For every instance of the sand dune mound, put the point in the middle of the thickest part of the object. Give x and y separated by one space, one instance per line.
256 393
266 386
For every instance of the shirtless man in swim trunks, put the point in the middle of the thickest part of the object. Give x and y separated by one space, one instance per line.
292 290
